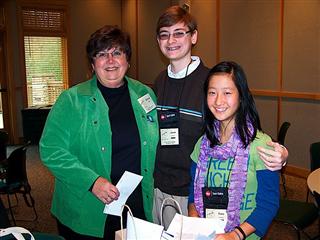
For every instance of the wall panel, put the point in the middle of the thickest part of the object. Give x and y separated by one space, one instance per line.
129 24
250 36
205 13
150 59
304 117
301 65
86 16
267 109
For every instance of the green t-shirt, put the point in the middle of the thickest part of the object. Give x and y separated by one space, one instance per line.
219 172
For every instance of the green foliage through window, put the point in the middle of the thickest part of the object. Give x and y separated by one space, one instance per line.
44 69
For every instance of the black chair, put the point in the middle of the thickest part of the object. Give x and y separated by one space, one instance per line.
281 139
298 214
4 219
317 199
15 180
5 223
316 196
314 159
4 138
315 156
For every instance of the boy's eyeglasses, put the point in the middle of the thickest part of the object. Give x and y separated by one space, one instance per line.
166 35
104 55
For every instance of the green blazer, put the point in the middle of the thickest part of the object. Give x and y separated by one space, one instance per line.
76 147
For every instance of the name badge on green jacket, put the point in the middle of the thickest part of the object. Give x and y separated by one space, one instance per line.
147 103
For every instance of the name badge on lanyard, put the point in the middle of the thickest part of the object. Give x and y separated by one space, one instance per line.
169 127
215 203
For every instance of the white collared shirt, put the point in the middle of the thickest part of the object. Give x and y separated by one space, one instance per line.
181 74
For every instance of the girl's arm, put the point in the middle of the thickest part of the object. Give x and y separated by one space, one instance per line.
192 211
267 201
267 204
244 230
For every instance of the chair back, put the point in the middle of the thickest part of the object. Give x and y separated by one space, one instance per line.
17 170
4 219
317 198
314 156
283 132
4 137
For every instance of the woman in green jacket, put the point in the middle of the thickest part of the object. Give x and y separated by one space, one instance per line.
96 131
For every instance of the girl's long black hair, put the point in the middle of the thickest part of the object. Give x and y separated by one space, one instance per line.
247 111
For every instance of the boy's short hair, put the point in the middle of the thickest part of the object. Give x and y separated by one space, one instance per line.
176 14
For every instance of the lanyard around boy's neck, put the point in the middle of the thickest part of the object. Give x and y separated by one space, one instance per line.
181 92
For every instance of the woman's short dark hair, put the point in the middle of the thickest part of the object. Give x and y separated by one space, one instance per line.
108 37
247 110
176 14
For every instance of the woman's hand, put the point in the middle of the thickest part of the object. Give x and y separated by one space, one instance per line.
105 190
273 159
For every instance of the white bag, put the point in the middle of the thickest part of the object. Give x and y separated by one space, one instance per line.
16 232
138 229
194 227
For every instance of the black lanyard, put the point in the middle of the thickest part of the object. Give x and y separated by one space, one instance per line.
181 92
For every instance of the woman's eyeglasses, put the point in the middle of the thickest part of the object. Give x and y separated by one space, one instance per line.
166 35
114 54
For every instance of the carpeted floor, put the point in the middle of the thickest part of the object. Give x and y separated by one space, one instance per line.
42 182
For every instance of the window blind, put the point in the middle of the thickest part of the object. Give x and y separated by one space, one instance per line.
43 20
44 69
44 30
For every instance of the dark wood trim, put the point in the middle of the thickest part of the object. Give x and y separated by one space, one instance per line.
286 94
280 55
137 40
217 31
281 34
296 171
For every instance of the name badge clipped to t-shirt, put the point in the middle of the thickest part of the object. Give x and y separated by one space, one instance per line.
169 127
215 203
147 103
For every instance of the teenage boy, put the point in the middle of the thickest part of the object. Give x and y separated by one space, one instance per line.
179 89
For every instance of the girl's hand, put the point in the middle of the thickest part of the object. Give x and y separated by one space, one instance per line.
227 236
192 211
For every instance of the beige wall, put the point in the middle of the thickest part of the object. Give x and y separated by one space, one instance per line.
85 17
205 13
277 42
249 35
129 24
150 58
301 63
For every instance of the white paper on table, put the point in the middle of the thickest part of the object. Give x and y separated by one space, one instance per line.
195 228
126 185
